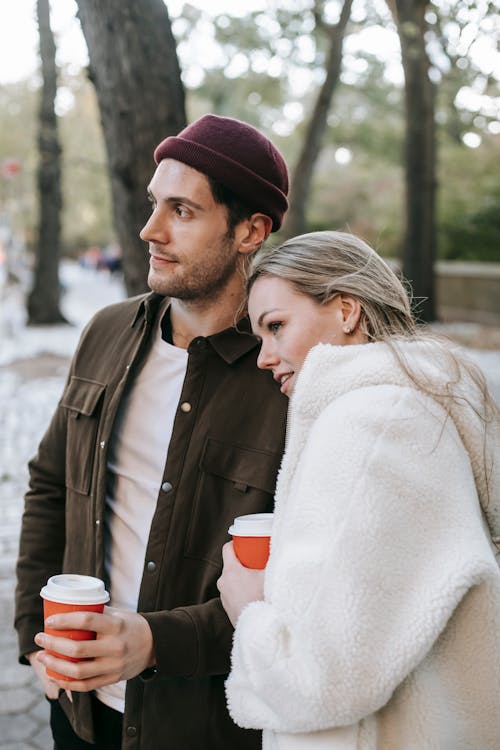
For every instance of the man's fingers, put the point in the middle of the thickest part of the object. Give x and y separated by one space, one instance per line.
67 647
100 623
86 649
50 688
77 670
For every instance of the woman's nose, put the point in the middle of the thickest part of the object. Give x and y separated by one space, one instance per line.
267 358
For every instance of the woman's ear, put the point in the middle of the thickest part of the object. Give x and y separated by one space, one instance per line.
351 314
253 232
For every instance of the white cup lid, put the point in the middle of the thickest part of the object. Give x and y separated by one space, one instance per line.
75 589
254 524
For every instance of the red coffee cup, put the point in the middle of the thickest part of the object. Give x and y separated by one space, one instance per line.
72 593
251 539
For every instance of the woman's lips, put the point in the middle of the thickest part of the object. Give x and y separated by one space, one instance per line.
283 379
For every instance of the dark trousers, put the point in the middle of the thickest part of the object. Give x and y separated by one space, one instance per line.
108 727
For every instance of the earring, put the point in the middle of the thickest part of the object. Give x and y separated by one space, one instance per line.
347 329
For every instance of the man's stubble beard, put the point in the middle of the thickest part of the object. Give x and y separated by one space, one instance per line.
204 281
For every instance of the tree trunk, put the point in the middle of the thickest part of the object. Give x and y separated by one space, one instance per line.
419 248
43 300
295 219
136 74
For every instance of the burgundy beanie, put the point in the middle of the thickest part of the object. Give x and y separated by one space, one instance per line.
236 155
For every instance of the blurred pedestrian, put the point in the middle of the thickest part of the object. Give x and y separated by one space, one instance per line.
376 624
165 431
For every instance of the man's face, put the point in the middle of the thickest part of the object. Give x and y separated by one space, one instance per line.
193 257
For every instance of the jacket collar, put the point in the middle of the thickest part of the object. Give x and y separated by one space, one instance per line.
230 344
146 306
234 342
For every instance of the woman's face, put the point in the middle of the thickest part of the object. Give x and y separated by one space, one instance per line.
290 324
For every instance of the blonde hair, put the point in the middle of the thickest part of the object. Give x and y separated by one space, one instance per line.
322 265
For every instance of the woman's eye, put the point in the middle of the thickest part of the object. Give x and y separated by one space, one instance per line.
274 327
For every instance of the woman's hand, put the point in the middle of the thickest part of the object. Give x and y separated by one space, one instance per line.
238 585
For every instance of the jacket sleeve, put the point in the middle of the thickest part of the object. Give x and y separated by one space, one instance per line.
192 641
41 547
43 529
377 542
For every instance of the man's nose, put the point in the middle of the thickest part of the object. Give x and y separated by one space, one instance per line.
155 229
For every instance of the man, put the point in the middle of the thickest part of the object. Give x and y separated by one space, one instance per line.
166 430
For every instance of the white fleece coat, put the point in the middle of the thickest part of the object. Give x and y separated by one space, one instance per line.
380 628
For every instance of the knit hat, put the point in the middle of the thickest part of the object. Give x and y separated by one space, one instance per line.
236 155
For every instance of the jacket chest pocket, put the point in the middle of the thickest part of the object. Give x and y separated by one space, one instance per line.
233 481
82 399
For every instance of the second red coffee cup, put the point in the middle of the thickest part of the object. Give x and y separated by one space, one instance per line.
251 539
72 593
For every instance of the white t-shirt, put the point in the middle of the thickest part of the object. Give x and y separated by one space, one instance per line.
136 461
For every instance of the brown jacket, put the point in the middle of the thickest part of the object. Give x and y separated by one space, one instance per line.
222 462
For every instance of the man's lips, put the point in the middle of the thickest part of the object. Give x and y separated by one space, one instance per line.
161 260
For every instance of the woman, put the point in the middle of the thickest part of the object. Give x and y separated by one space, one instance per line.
377 623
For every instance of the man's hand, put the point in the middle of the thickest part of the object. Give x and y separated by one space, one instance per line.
123 648
238 585
50 688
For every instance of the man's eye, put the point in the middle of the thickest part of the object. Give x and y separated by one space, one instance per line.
181 211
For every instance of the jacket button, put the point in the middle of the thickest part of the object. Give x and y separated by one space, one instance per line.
131 731
151 566
166 486
102 444
186 407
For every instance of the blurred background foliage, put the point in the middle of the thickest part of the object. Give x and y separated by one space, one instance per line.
265 67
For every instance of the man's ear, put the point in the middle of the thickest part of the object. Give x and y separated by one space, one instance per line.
252 232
